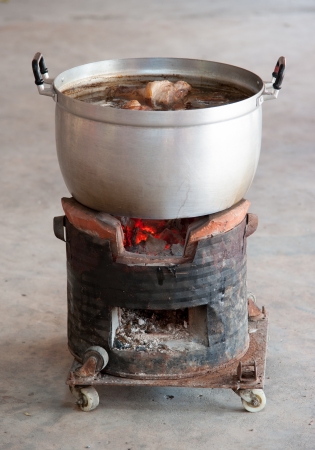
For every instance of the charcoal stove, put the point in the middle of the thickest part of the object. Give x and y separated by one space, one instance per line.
172 311
159 302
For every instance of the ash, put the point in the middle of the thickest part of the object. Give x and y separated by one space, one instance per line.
144 330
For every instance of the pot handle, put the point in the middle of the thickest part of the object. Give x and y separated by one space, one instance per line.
272 88
39 69
278 73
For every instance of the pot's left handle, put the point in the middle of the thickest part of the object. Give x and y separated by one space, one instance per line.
39 69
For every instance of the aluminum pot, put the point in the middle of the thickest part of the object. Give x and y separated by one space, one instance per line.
157 164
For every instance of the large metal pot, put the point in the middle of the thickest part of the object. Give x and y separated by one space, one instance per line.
157 164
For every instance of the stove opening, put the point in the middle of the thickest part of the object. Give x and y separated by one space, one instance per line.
159 330
155 237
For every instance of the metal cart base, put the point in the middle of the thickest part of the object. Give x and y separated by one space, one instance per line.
245 376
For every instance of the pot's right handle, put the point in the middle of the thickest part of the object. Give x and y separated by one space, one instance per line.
272 88
39 69
278 73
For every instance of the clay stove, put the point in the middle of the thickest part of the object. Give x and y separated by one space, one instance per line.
153 303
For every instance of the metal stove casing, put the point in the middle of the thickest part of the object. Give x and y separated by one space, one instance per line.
210 280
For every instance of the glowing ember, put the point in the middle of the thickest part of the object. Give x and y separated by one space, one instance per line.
155 236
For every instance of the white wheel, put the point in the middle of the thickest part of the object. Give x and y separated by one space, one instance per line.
253 400
89 399
100 353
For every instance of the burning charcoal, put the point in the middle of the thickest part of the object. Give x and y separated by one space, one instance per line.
140 235
154 245
137 231
172 236
177 249
141 322
151 226
127 222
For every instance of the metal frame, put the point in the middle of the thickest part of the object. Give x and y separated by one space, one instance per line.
234 375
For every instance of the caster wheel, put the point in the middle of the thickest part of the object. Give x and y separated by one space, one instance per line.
254 400
75 391
100 354
87 397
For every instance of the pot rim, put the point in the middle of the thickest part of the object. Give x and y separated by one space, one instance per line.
149 67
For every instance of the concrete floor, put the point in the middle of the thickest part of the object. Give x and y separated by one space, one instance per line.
36 409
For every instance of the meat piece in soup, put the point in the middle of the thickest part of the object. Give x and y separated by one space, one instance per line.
135 105
165 94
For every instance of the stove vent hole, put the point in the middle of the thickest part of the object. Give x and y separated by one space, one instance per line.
159 330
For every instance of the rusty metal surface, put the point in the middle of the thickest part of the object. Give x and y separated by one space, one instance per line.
88 369
254 312
107 227
169 365
252 224
59 224
216 278
219 265
247 371
224 377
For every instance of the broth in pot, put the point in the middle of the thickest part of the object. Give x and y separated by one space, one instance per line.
160 95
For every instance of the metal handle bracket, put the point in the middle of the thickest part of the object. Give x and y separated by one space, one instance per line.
272 88
251 224
59 224
41 76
